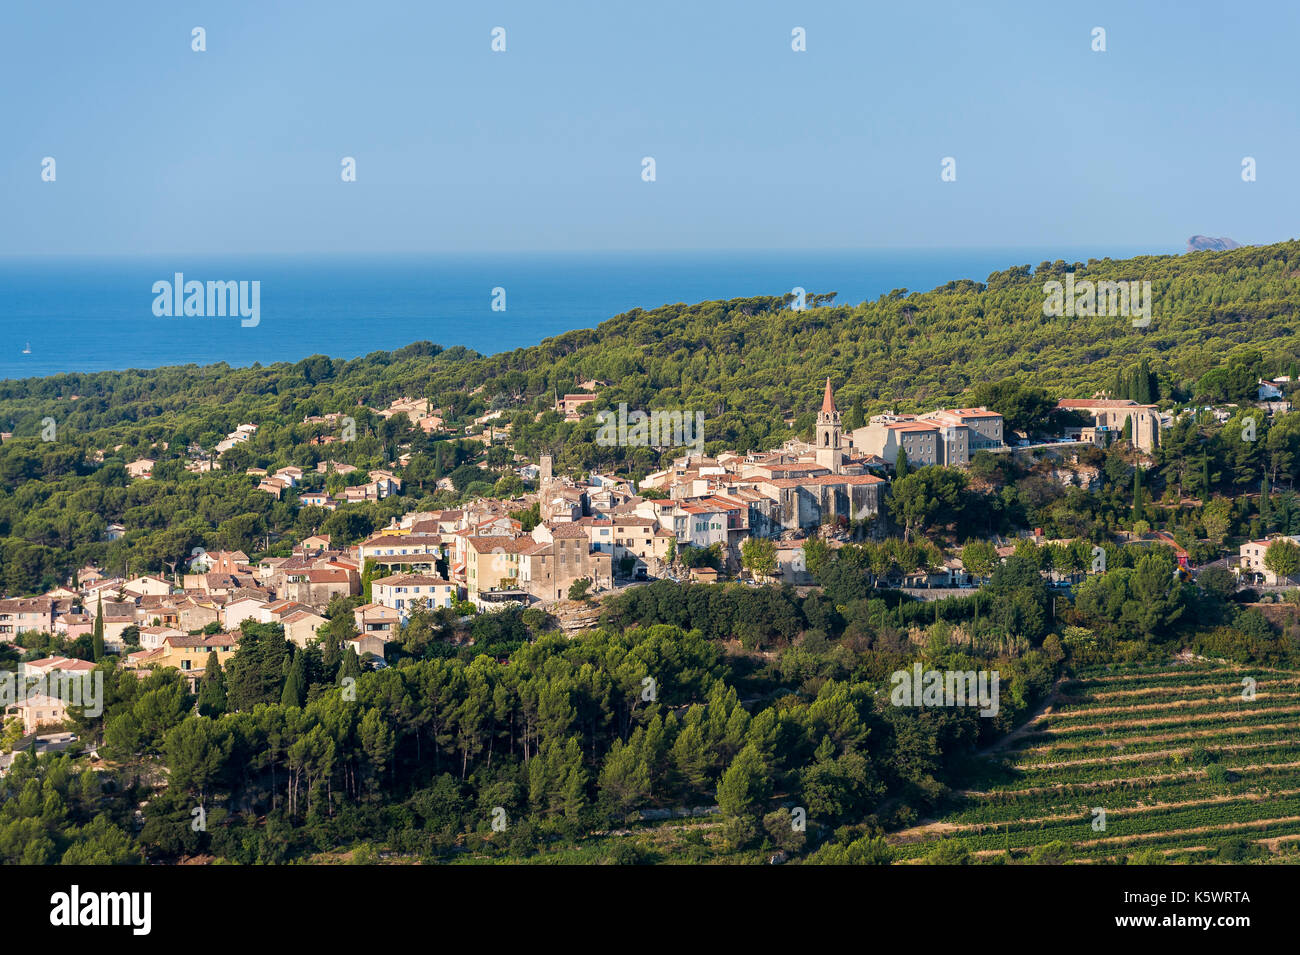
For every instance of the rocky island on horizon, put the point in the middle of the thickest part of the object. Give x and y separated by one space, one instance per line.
1207 243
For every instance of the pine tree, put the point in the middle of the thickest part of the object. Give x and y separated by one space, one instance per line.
97 637
256 672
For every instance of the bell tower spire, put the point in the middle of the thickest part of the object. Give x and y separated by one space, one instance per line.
828 401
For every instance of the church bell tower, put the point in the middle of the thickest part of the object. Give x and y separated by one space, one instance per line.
829 453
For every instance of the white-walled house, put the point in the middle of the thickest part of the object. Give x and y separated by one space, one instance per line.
402 592
1252 558
237 611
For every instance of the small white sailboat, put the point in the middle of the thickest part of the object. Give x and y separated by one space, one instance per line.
28 349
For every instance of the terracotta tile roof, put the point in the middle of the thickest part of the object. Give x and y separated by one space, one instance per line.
66 664
302 615
567 531
1099 403
213 641
827 479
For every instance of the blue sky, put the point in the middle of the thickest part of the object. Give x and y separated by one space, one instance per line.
238 149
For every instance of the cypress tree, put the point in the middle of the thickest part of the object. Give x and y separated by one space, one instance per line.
857 416
901 467
331 647
1137 495
351 664
97 636
295 685
212 688
1145 388
368 574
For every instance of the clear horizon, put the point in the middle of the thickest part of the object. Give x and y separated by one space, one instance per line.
95 313
1120 252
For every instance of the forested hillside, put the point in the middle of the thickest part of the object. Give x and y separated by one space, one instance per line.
746 362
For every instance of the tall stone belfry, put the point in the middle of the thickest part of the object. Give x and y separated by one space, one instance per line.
829 453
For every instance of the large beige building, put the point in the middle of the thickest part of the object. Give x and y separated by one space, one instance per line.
25 613
559 556
948 436
492 565
1112 415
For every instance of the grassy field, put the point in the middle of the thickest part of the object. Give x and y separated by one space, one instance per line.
1184 766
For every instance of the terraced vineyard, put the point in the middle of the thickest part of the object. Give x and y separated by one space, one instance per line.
1180 760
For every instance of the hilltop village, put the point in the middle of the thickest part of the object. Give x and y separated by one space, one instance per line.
570 538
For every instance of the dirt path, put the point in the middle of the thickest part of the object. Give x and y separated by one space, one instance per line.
1043 709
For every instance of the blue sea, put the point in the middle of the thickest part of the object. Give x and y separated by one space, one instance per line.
97 314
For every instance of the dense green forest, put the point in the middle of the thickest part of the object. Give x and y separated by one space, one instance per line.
294 752
502 740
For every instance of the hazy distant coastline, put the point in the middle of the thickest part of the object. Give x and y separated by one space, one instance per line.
94 314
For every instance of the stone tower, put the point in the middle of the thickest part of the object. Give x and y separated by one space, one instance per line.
829 452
